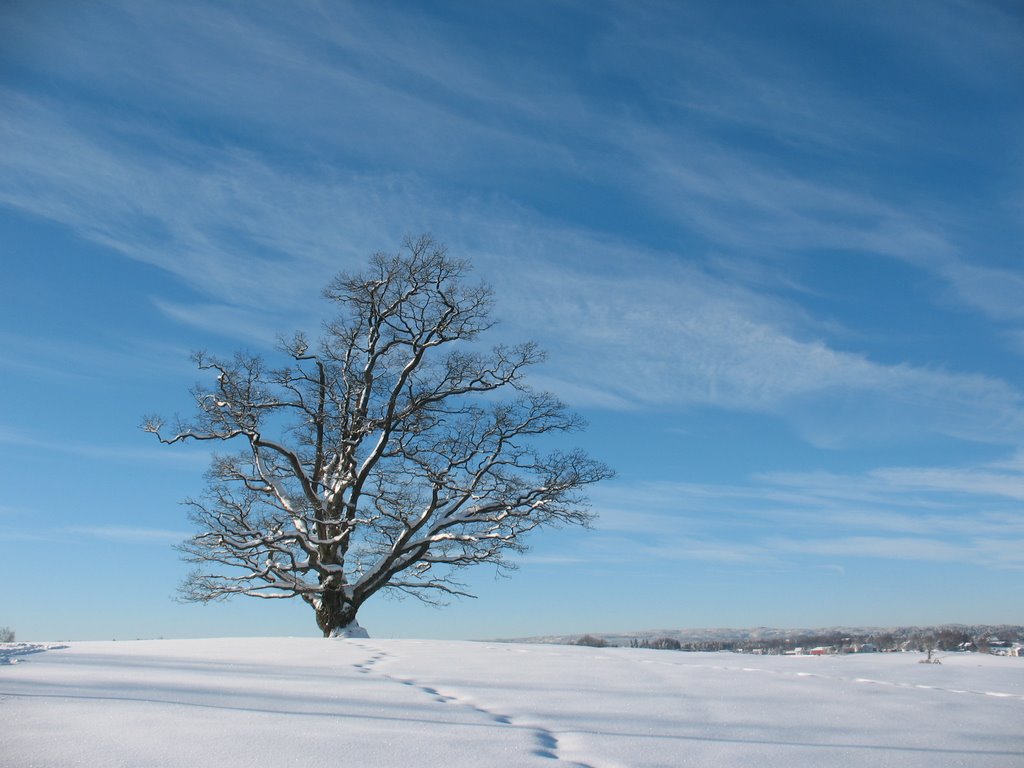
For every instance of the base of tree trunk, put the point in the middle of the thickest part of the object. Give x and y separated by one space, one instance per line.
350 630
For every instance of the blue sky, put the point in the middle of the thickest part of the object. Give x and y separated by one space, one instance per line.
772 249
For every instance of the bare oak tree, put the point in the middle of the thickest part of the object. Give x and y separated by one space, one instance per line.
380 459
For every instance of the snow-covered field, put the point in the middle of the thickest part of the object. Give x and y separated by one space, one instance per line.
308 702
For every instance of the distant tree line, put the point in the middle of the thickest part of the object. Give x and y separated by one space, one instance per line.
984 639
6 635
658 644
591 641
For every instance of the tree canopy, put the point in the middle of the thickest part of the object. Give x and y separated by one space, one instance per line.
389 455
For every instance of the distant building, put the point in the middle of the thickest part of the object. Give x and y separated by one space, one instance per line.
998 647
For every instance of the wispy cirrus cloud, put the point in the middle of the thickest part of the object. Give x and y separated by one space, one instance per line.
128 534
193 456
665 332
114 533
254 237
679 334
967 515
130 356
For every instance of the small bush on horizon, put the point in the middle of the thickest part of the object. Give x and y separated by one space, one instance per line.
6 635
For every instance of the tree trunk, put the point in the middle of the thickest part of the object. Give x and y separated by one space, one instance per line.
334 612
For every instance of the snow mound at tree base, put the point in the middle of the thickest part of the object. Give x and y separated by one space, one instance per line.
350 630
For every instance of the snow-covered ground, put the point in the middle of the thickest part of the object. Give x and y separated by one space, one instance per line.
308 702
